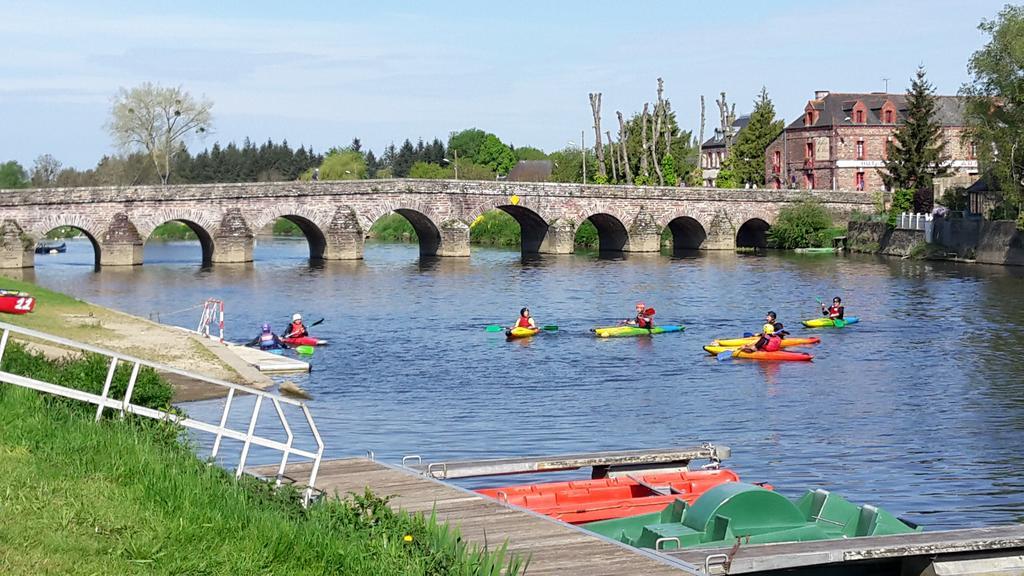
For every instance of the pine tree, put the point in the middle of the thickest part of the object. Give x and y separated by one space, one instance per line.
915 158
747 153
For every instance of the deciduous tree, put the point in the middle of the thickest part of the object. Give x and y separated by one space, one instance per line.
45 171
156 120
12 175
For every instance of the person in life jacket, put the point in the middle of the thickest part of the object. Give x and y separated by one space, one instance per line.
267 340
525 320
644 317
770 341
771 319
296 329
835 311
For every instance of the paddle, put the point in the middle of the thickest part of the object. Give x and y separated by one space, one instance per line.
496 328
305 350
837 322
317 323
724 355
549 328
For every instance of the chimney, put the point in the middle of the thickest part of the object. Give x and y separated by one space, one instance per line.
820 94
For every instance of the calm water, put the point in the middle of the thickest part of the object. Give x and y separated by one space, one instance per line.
919 408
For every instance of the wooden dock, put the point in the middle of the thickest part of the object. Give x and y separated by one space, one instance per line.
267 362
554 548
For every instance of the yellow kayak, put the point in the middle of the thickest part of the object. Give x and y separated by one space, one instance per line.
786 342
760 354
517 332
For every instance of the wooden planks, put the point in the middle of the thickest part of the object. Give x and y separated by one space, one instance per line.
267 362
526 465
554 548
764 557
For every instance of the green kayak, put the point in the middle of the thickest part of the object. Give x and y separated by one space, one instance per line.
736 511
623 331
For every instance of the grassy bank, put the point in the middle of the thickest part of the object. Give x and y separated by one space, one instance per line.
173 231
62 315
127 497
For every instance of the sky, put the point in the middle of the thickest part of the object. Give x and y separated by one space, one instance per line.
319 74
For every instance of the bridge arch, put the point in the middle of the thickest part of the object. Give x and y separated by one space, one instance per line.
753 233
311 222
438 236
612 235
197 221
88 228
687 233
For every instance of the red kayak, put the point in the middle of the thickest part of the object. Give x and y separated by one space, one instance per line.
304 341
16 302
582 501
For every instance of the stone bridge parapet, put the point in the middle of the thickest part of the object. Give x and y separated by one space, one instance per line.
335 216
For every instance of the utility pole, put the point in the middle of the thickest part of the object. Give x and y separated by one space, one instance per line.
886 80
583 149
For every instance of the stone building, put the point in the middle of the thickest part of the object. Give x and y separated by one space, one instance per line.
840 141
714 150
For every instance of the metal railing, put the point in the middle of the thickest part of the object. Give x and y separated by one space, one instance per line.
220 430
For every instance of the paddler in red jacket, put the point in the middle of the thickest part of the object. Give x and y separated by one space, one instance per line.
644 317
835 311
525 320
769 341
296 329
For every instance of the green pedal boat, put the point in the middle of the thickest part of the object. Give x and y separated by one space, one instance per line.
737 510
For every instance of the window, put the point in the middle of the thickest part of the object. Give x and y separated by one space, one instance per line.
809 180
889 117
860 149
809 151
859 181
776 162
972 150
809 119
887 150
858 116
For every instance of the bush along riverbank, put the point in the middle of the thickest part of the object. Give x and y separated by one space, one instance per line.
493 228
128 496
806 224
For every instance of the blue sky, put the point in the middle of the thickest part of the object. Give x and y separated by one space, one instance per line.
319 74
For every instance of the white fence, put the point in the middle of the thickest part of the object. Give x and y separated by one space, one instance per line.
911 221
222 429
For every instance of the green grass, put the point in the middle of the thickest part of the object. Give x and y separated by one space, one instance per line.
393 228
173 231
495 228
285 227
126 496
53 310
586 236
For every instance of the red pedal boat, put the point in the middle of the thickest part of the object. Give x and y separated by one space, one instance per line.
582 501
14 302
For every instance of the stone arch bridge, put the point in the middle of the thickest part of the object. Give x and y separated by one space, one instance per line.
335 216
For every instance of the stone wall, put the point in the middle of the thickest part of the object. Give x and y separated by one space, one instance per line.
985 241
878 238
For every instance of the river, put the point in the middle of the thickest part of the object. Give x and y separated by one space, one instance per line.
918 408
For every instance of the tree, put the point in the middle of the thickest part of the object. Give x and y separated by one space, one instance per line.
668 169
915 158
495 155
343 165
155 120
45 170
467 142
529 153
404 160
995 103
748 151
429 171
12 175
567 165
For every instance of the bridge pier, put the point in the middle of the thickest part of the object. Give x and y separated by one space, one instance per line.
17 249
560 238
454 239
121 244
644 234
721 233
345 238
233 241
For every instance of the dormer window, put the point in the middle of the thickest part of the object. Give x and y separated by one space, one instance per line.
858 116
809 119
889 117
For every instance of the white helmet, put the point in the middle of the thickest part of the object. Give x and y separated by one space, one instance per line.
296 317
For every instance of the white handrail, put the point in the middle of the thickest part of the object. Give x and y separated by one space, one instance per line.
220 430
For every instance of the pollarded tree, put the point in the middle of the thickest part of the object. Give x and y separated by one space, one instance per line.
156 120
916 158
995 102
747 153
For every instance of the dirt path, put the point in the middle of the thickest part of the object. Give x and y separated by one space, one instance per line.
64 316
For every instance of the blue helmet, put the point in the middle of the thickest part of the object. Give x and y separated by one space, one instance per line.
266 327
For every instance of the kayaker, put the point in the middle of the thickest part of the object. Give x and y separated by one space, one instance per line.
644 317
267 340
835 311
772 320
525 320
769 341
296 329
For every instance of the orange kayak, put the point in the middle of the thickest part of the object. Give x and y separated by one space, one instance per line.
760 354
582 501
786 342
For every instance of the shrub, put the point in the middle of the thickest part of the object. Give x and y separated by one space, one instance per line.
495 228
800 225
586 235
902 201
393 228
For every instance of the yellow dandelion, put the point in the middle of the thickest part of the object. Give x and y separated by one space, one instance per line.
407 537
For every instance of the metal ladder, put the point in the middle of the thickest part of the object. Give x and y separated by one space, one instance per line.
220 430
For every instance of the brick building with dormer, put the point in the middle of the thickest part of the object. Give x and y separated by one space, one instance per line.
841 140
